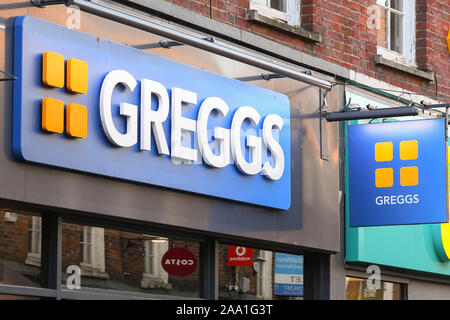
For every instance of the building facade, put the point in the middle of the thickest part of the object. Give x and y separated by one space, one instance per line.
104 219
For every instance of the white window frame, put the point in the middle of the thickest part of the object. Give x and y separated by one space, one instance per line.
291 16
96 248
157 278
408 57
264 275
34 255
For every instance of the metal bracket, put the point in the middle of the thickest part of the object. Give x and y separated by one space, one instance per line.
167 44
9 77
43 3
266 76
323 133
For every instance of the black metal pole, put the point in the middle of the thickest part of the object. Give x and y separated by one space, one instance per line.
372 114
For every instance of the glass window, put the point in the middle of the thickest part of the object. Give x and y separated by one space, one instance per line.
279 5
359 289
396 30
284 10
248 273
20 248
126 261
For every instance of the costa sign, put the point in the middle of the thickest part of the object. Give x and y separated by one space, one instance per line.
240 256
179 262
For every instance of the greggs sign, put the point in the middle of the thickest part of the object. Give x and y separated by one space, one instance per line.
100 107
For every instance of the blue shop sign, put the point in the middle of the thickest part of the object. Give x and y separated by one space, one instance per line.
397 173
99 107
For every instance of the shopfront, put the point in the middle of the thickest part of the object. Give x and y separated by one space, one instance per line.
124 172
408 260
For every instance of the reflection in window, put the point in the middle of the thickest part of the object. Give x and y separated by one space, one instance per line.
20 248
34 247
125 261
358 289
149 258
246 273
154 275
263 265
93 252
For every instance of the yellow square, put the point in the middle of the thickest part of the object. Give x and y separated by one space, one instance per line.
409 176
53 69
409 150
384 151
52 115
77 76
76 120
384 177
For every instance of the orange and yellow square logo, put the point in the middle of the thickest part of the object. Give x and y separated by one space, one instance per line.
54 115
384 152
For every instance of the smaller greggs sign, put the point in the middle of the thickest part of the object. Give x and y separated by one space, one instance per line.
96 106
397 173
240 256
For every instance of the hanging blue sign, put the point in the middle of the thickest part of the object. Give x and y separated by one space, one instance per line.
95 106
397 173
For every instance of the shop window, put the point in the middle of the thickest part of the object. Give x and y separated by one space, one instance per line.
20 248
93 252
131 262
247 273
396 30
361 289
34 247
287 11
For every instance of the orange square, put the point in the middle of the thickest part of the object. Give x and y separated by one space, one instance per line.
409 176
76 120
409 150
77 76
384 177
53 69
52 115
384 151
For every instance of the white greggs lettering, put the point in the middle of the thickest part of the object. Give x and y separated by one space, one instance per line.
152 121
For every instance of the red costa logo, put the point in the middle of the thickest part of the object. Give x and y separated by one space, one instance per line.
179 262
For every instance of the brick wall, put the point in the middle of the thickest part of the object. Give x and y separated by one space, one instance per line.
347 39
433 21
14 237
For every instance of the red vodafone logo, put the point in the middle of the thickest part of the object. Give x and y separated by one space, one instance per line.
179 262
240 256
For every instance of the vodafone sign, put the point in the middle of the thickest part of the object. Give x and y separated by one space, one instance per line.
179 262
240 256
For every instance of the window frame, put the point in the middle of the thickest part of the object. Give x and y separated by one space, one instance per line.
291 16
408 57
158 277
35 231
96 247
